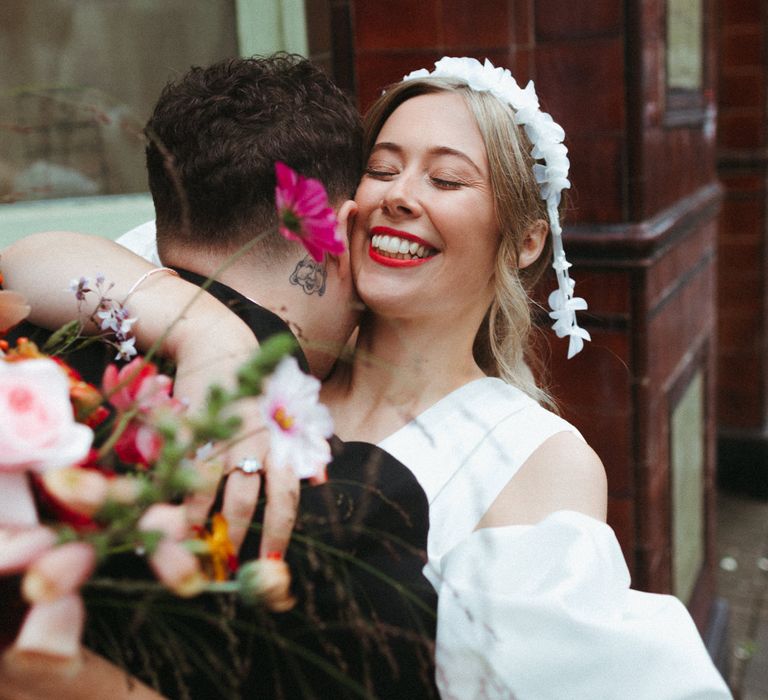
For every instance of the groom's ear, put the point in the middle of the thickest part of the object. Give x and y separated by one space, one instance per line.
345 220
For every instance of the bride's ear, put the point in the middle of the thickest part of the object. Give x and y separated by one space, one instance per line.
534 240
345 219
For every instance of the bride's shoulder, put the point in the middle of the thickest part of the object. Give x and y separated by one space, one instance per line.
563 473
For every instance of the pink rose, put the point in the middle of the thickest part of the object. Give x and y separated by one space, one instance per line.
37 432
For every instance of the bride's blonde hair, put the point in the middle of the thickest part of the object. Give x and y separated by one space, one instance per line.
502 347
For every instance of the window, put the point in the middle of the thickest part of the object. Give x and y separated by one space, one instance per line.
77 83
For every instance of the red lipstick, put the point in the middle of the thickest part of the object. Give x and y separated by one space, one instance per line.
396 262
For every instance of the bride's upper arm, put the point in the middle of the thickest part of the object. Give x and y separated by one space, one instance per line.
564 473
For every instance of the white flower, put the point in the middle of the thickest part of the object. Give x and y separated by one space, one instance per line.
126 349
298 424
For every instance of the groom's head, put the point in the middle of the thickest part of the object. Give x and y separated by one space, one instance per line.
212 143
214 137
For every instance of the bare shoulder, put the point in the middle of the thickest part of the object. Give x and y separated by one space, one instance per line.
564 473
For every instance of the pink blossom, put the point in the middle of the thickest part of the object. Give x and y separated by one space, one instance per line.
174 565
137 385
304 214
38 432
58 572
19 548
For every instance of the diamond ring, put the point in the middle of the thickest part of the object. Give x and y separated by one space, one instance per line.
249 465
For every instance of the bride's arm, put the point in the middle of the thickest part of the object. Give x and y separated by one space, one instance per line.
41 267
206 340
564 473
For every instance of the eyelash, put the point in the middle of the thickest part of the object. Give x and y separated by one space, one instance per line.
447 184
437 181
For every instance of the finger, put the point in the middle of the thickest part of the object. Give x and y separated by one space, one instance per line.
282 491
198 504
241 495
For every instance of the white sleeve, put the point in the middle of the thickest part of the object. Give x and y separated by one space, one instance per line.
142 240
545 611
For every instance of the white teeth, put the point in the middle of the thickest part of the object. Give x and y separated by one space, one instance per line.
399 247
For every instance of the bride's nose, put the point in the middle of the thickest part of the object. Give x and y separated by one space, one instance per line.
400 198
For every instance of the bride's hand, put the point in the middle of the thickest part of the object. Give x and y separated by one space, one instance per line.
245 462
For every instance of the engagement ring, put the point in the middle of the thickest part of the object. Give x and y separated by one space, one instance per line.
249 465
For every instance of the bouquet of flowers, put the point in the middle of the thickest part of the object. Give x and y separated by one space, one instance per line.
88 473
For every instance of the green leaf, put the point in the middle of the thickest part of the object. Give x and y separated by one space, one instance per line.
63 337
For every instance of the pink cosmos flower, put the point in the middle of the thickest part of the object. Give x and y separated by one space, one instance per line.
37 432
304 214
298 423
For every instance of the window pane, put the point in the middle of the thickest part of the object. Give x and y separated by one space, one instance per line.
78 80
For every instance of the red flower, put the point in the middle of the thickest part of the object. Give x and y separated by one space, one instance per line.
137 385
304 214
138 444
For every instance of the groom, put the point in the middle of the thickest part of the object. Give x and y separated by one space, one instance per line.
213 139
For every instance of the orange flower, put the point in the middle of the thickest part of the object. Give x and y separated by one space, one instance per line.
221 555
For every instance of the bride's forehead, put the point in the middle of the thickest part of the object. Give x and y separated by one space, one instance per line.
441 117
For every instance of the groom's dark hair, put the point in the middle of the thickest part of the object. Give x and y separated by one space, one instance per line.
214 137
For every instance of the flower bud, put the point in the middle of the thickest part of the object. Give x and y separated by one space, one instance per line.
267 581
81 490
59 572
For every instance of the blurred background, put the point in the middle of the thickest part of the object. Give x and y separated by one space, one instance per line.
664 107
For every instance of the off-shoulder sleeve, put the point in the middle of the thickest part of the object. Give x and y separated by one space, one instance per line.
545 611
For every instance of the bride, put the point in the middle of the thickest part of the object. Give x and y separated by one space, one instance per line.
458 208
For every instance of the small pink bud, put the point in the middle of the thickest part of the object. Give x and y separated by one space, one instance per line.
178 569
19 548
59 572
267 581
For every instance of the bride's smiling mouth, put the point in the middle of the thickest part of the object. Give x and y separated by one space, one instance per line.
388 246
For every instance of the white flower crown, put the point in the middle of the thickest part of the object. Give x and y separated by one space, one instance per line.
547 139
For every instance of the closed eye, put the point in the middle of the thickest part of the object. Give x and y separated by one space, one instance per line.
447 184
379 174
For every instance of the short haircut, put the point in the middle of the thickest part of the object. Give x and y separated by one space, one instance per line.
214 137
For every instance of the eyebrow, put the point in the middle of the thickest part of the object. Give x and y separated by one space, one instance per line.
435 150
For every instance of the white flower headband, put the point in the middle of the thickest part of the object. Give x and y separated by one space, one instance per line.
547 139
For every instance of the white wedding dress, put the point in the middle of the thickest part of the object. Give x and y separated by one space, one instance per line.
534 612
